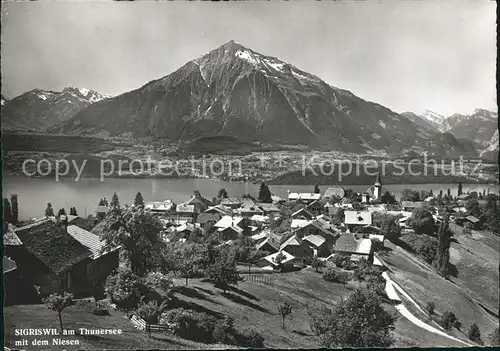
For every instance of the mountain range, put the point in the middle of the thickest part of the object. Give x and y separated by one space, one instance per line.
41 109
235 91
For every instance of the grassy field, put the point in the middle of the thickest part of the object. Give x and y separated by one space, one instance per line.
37 316
462 294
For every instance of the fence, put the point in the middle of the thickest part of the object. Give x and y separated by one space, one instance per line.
141 324
265 279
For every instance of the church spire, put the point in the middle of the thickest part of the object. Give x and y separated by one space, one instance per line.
378 181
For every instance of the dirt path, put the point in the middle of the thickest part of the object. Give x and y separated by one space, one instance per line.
391 288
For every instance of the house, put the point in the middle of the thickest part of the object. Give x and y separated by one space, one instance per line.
355 248
474 222
303 197
333 193
260 236
270 261
199 203
259 219
269 209
269 244
101 211
220 209
232 232
411 205
318 244
302 214
315 228
298 248
368 229
315 207
357 218
231 202
204 218
55 258
186 210
160 206
249 209
228 221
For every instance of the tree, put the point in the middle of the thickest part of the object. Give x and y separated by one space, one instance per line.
222 194
430 307
150 312
49 211
61 212
7 211
390 228
449 320
316 189
474 333
473 208
410 195
115 202
122 288
264 193
279 258
388 198
223 271
422 221
72 211
223 330
139 234
189 262
317 264
358 322
440 193
15 208
139 200
57 303
284 310
459 190
448 192
442 260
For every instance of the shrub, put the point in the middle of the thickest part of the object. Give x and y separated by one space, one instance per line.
123 289
430 307
224 330
449 320
364 271
192 325
494 338
342 261
474 333
100 308
251 338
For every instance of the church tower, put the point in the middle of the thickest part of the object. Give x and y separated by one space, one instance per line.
377 187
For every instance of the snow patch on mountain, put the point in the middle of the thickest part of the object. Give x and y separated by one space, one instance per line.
247 56
382 124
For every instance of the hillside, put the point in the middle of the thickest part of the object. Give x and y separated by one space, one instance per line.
41 109
491 151
236 91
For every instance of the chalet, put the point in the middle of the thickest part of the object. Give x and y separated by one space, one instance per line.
259 220
355 248
303 197
411 205
269 244
270 261
56 258
185 210
204 218
101 211
261 236
302 214
277 200
297 248
185 230
315 228
199 203
248 210
220 209
232 232
315 207
269 209
231 202
160 206
318 244
333 193
228 221
474 222
353 219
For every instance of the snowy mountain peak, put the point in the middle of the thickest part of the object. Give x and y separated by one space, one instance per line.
432 116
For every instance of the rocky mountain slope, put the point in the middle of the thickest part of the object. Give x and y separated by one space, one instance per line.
236 91
3 100
491 151
41 109
478 126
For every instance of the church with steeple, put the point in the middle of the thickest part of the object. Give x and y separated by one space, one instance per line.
375 192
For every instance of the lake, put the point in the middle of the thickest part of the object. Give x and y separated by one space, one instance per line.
34 193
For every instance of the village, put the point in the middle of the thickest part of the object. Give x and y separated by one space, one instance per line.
162 246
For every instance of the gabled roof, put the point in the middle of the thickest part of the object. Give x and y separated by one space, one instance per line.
166 205
259 218
302 212
207 217
316 240
472 219
346 243
268 241
8 265
299 223
184 208
294 240
304 196
412 204
87 239
233 228
334 191
11 238
268 207
248 208
223 210
228 221
102 209
231 201
358 217
271 258
53 246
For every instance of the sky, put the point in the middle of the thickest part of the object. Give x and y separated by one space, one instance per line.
408 56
